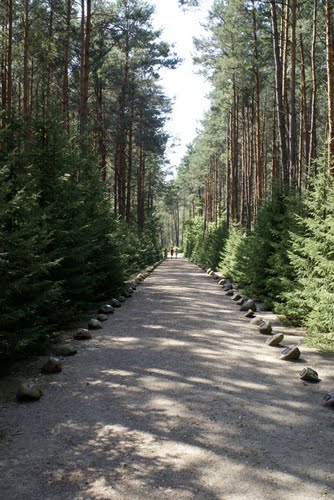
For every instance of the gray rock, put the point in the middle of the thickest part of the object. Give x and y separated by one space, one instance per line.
249 304
121 298
249 313
115 303
229 293
275 339
265 327
240 301
127 295
53 365
102 317
222 281
29 391
309 375
64 350
82 334
290 353
328 399
106 309
236 297
228 286
94 324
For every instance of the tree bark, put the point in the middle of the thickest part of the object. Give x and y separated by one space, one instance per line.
313 119
279 96
84 69
330 85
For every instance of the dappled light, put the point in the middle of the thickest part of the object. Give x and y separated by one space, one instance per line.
178 397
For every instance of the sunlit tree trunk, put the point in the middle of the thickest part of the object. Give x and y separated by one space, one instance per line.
313 119
330 85
279 96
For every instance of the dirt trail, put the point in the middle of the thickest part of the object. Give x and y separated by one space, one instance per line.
176 398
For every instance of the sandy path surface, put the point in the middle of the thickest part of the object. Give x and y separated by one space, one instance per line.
177 397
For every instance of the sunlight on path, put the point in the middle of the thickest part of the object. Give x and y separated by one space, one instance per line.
177 398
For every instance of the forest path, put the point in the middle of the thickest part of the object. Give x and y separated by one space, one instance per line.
177 397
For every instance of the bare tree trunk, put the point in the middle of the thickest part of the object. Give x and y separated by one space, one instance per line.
26 78
228 169
293 120
10 60
279 96
84 70
259 167
313 120
330 85
140 189
65 66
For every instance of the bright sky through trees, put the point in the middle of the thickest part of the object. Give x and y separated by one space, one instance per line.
188 89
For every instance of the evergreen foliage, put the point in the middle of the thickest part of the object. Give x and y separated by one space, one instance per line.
209 244
310 297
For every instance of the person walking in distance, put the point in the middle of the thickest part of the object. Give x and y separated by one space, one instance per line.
176 252
171 252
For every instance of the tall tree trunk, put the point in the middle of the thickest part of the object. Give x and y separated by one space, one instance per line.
141 189
84 68
313 119
26 78
304 138
330 85
279 96
9 86
228 169
293 120
65 106
259 169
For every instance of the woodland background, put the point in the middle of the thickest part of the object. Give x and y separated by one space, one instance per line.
84 202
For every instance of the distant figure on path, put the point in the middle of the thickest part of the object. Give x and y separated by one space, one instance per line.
171 252
176 252
165 253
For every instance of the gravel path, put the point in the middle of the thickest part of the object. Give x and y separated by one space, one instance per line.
177 397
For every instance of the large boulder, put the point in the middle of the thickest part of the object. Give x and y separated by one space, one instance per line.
248 304
115 303
82 334
249 314
275 340
309 375
29 391
94 324
106 309
265 327
227 286
53 365
102 317
290 353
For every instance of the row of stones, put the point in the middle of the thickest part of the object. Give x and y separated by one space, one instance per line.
31 391
289 353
